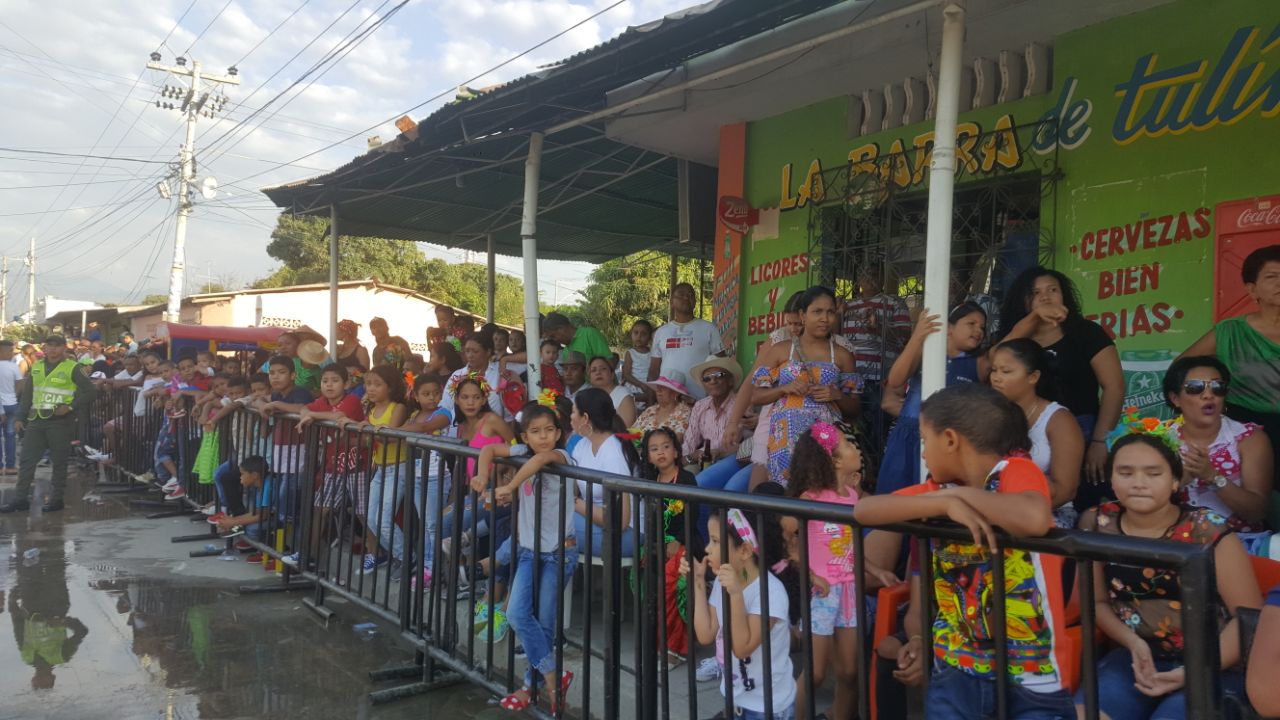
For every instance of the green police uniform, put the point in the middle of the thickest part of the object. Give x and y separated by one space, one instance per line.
48 389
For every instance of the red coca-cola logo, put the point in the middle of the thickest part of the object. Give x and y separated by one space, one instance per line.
737 214
1259 217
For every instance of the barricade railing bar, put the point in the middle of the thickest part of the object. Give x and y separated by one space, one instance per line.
367 510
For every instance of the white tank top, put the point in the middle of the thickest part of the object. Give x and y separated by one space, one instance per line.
1038 433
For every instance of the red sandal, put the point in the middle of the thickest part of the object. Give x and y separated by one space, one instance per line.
515 703
566 680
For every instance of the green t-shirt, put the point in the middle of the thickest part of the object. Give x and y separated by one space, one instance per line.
590 342
1254 362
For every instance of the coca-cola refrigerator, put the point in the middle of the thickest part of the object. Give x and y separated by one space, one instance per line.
1243 226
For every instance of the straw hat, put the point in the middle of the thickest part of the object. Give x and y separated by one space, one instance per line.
715 361
673 380
312 352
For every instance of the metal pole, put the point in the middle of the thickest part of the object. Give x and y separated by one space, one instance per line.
333 281
529 248
185 176
4 295
942 175
84 319
491 305
31 282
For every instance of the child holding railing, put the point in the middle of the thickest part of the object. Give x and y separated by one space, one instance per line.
342 483
974 444
662 453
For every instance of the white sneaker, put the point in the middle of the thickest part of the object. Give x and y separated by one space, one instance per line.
170 486
708 670
177 494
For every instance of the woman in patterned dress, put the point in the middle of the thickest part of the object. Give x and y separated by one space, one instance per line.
809 379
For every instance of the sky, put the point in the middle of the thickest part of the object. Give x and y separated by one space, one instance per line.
73 81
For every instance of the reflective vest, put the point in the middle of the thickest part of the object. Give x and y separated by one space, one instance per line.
48 391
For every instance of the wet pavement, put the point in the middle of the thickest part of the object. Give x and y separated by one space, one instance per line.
110 619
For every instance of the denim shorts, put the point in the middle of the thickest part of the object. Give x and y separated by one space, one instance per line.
744 714
956 695
837 609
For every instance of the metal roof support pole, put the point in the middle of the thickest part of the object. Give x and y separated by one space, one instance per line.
942 176
490 307
333 282
529 243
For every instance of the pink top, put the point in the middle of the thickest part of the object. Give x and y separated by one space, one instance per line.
480 441
831 545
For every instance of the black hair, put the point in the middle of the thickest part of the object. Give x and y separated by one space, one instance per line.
452 360
1022 290
481 338
647 468
1169 454
1176 375
239 381
163 362
793 302
642 321
964 310
559 415
255 464
470 379
1033 358
809 296
555 320
548 341
464 322
281 361
260 377
489 328
524 341
188 355
598 407
979 414
205 352
418 382
336 369
1256 260
444 308
607 360
812 468
392 378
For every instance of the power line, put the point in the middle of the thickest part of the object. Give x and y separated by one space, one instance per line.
85 156
439 95
272 32
206 28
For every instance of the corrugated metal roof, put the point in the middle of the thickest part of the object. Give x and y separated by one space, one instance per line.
461 178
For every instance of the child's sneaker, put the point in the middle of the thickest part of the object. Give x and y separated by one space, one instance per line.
253 558
241 545
708 670
147 477
176 494
371 564
290 559
426 581
216 518
210 510
170 486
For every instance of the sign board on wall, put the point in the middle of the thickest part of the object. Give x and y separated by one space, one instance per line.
1157 119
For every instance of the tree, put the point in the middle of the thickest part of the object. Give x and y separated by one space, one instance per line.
636 286
301 244
155 299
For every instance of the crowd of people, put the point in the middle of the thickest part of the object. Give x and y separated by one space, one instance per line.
1030 433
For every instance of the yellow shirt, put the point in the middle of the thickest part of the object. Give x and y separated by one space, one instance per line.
392 452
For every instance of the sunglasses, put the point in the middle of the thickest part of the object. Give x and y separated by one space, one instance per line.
721 375
1196 387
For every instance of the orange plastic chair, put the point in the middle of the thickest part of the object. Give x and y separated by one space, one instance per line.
888 600
1267 573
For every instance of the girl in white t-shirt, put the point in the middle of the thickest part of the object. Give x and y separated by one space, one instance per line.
743 674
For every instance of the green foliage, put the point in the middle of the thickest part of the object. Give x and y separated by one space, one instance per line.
301 244
621 291
154 299
25 333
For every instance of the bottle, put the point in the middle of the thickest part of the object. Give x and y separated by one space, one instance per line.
706 454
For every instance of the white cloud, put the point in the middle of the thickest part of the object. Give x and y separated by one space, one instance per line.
65 69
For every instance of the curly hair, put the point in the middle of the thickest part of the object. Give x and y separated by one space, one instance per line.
392 378
647 469
1018 298
812 469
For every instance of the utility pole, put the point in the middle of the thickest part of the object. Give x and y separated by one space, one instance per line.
196 100
31 282
4 294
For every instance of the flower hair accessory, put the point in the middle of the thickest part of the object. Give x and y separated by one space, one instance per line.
1133 424
548 397
476 377
739 523
827 435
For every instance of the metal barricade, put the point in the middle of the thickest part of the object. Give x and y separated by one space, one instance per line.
369 512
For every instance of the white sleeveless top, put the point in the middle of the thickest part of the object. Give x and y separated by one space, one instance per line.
1040 454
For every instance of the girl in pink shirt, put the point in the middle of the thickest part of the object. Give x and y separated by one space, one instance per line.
827 467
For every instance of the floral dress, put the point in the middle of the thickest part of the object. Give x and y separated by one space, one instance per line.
794 414
678 420
1148 600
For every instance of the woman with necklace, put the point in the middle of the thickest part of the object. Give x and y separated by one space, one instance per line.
810 378
672 407
1139 608
1020 372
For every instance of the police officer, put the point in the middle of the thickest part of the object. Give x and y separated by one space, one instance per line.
55 390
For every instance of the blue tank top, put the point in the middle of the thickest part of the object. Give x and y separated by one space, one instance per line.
960 369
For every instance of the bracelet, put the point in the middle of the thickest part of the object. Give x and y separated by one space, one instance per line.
915 637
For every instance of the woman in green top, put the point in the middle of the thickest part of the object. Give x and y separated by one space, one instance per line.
1249 345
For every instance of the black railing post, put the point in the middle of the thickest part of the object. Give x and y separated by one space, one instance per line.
1000 632
613 578
1200 658
1089 646
646 586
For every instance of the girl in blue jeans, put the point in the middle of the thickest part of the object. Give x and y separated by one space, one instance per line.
546 548
1140 608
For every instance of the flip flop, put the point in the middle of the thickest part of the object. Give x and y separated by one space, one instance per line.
515 703
566 681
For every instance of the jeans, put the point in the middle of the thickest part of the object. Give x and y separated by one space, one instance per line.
956 695
10 437
1118 698
745 714
166 451
287 496
626 537
725 474
383 503
230 495
535 618
433 490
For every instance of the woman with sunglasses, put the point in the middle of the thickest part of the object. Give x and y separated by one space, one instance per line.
1227 464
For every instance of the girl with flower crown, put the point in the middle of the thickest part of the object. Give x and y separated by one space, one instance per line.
826 466
662 452
1139 607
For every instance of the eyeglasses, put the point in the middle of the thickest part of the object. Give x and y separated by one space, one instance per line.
1196 387
721 375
